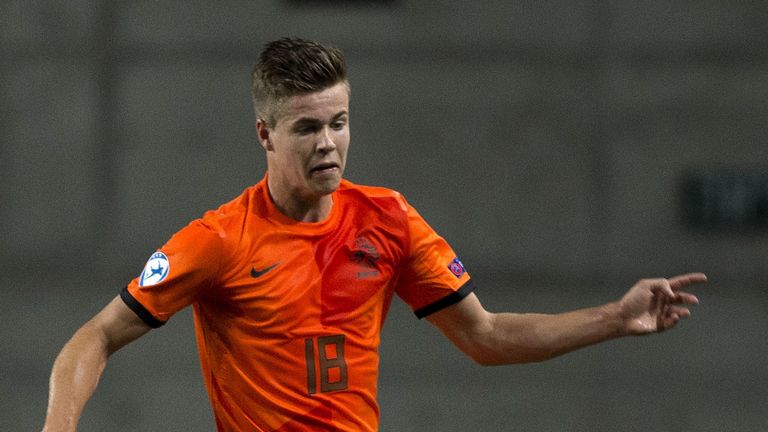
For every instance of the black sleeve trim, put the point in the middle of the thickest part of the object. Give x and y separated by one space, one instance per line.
139 309
449 300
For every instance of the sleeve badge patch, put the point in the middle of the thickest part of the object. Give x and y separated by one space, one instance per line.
156 270
456 267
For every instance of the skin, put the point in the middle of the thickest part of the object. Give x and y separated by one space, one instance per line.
307 151
306 154
79 365
650 306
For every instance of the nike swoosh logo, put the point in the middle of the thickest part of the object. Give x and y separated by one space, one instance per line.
256 273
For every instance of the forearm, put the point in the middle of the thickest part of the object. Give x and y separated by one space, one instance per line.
522 338
74 378
651 305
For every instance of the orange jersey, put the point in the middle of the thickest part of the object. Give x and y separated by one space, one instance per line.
288 314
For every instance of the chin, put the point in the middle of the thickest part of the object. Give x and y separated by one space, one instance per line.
327 187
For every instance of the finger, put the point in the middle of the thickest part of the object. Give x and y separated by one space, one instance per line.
668 322
687 279
671 317
680 281
679 312
685 298
663 286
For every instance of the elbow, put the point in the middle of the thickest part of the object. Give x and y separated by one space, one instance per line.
490 355
479 358
489 360
482 360
486 348
486 356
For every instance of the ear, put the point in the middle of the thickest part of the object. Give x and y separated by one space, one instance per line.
262 132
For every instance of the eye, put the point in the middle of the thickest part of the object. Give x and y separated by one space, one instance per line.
338 125
305 129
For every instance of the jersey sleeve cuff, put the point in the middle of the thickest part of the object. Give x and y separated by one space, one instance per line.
139 309
449 300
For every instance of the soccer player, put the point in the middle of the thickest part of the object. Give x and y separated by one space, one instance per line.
291 281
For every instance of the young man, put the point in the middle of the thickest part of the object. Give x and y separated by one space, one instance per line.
291 281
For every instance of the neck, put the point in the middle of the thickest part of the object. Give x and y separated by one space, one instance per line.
302 209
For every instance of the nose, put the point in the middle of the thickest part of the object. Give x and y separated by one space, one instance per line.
325 142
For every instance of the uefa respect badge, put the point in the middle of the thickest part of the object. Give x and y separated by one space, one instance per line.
456 267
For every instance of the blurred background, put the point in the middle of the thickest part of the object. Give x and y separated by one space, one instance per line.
565 150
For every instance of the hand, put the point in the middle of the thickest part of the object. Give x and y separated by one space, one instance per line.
654 305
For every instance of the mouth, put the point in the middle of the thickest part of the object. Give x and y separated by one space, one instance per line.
325 168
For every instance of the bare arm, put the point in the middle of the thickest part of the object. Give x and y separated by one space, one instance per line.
80 363
651 305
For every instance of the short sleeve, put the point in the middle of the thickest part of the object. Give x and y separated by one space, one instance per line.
176 274
433 277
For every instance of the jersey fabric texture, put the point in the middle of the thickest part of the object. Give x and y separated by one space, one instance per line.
288 314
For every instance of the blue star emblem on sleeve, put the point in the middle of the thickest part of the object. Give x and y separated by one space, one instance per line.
156 270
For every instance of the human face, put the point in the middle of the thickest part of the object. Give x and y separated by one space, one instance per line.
307 147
